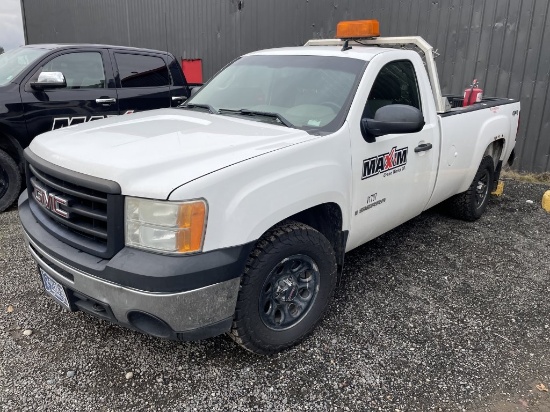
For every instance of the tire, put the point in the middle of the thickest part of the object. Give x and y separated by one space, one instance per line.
10 181
471 204
287 284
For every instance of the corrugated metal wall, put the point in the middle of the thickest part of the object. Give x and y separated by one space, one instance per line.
503 43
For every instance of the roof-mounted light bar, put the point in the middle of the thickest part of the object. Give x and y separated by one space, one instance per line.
358 29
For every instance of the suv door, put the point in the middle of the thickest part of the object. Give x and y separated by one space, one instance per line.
392 181
143 81
90 93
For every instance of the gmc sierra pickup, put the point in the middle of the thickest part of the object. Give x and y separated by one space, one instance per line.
234 212
47 87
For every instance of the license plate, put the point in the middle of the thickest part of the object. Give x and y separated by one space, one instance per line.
54 288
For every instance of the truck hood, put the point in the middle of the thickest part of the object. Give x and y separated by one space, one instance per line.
151 153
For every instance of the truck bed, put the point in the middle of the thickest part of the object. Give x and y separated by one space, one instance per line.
456 102
491 123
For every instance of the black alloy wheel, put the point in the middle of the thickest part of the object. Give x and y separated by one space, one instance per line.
471 204
10 181
482 188
289 292
287 284
4 181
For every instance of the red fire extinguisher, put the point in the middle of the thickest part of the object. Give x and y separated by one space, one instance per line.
473 94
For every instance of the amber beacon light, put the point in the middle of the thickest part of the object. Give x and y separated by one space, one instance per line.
358 29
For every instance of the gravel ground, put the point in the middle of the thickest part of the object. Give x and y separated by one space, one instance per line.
438 314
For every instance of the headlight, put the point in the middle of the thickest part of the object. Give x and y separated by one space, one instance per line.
173 227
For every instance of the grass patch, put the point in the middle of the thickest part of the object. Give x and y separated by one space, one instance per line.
527 177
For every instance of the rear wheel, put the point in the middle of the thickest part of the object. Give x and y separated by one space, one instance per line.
287 284
472 203
10 181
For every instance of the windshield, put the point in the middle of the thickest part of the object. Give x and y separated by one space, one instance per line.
312 93
15 61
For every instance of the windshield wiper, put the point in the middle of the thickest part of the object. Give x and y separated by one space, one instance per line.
208 107
247 112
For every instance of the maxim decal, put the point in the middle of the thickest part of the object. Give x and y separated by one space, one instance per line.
61 122
392 162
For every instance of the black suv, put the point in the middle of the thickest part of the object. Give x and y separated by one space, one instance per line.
49 86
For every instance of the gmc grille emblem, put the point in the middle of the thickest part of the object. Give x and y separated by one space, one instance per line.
49 200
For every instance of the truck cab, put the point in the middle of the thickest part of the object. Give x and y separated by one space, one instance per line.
51 86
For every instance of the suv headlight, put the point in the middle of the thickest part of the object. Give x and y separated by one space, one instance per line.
172 227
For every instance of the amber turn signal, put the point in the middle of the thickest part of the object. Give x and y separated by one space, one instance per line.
191 221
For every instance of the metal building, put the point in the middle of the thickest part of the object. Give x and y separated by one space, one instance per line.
505 44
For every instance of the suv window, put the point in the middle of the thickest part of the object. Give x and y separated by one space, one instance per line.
81 70
395 84
141 71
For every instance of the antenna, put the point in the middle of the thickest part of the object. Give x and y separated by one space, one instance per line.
346 45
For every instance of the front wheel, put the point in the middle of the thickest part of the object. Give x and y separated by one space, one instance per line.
471 204
286 287
10 181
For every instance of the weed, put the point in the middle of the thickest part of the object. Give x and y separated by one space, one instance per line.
527 177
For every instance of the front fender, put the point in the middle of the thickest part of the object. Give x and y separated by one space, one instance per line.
248 198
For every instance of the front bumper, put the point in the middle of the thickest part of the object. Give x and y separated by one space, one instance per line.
171 302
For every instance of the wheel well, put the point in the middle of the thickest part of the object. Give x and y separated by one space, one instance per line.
327 219
495 151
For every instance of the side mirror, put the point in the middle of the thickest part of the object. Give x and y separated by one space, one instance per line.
390 119
49 80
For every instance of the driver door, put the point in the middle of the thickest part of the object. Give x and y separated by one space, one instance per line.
392 183
90 93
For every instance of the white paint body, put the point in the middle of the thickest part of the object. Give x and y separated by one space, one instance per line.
254 175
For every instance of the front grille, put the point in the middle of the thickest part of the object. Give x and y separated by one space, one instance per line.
86 209
73 211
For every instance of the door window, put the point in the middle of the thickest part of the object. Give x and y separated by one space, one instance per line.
141 71
81 70
395 84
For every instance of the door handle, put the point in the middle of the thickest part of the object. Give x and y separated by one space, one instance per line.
422 147
105 101
182 98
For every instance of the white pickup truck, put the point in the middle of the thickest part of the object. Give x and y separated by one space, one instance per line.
234 212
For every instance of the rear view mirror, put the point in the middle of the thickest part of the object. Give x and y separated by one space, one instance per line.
49 80
390 119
